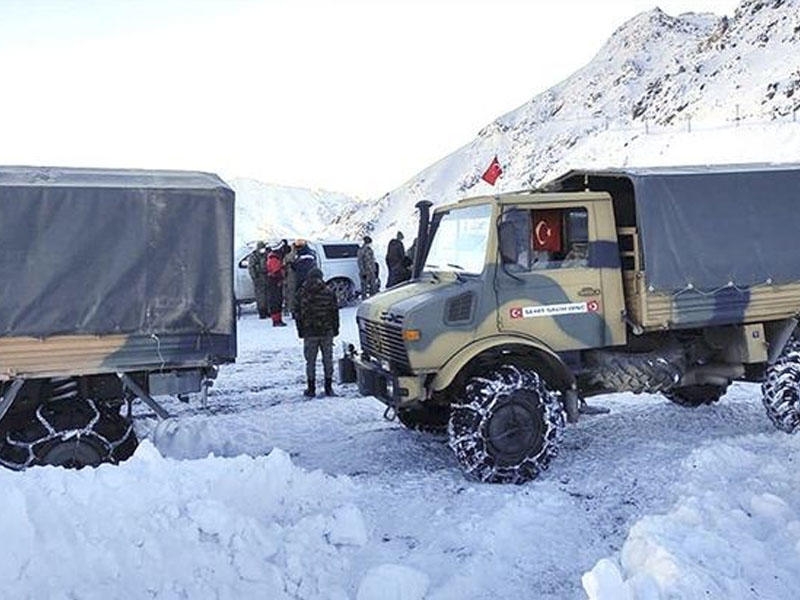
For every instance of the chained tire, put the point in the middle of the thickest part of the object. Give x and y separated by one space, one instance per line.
638 372
343 289
74 433
692 396
430 418
781 388
507 426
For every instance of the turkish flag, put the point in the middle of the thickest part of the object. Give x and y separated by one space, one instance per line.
494 171
547 230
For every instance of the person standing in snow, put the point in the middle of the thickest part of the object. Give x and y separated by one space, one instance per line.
257 268
317 321
395 259
275 275
289 286
366 268
304 261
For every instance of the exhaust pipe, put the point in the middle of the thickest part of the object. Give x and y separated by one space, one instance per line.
421 252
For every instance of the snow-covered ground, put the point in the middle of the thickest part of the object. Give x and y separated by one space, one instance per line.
265 494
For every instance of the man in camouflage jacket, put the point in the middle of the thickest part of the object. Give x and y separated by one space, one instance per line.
257 268
317 324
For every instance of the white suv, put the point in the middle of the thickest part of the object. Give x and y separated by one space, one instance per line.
336 258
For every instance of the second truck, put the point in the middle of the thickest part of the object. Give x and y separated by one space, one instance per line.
522 305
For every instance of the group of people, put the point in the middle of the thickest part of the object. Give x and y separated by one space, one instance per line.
398 262
277 273
287 279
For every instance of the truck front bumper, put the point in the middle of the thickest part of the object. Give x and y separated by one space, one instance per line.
393 390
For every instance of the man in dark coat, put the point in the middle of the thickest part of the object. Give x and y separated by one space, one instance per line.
257 268
395 261
317 320
305 259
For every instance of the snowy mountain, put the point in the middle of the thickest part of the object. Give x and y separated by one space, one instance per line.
266 211
692 89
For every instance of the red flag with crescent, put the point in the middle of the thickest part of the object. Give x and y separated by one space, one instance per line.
547 230
494 171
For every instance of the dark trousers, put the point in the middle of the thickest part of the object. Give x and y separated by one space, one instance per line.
275 299
312 345
260 288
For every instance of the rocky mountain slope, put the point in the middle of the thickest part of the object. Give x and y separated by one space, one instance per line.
266 211
691 89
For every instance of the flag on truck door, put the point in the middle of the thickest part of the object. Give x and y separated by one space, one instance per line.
494 171
547 230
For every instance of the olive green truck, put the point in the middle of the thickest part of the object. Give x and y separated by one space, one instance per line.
116 285
521 305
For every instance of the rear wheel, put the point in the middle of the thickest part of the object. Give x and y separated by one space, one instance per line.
72 433
693 396
507 426
781 389
344 290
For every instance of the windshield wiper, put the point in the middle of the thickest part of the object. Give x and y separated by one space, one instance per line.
455 266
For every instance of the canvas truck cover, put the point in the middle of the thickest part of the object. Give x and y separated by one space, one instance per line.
85 251
706 226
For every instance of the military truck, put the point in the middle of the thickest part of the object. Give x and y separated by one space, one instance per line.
116 285
661 280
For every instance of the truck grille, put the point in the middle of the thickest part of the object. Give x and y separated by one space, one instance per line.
385 342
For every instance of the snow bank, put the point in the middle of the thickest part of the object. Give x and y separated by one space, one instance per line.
735 532
154 527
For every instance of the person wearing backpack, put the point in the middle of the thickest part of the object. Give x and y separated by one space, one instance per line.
275 274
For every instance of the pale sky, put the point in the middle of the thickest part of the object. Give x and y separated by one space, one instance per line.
353 96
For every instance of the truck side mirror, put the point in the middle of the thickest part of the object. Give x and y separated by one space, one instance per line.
508 243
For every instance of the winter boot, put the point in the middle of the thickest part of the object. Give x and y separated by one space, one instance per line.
329 388
311 390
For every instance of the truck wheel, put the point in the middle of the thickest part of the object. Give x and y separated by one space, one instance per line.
693 396
781 389
344 290
73 434
508 426
638 372
431 418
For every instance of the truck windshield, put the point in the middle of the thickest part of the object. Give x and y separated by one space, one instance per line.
459 243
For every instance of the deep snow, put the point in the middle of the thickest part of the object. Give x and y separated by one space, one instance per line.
266 494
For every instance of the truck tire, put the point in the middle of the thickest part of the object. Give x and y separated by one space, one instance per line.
344 290
72 434
638 372
507 426
431 418
781 388
693 396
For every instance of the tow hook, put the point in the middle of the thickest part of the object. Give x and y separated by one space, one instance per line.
390 413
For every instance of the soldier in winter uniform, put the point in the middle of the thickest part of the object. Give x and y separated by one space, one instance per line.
367 268
257 268
317 324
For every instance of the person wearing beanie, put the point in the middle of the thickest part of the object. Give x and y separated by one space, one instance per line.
366 268
317 320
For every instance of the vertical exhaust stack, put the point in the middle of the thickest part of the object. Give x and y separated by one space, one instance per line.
421 253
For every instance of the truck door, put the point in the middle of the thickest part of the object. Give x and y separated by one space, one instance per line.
562 282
